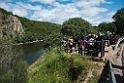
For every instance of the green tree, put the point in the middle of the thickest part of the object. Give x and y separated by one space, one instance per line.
107 27
17 39
119 20
103 26
112 27
28 37
77 26
53 39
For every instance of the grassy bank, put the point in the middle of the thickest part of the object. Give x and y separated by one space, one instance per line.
56 66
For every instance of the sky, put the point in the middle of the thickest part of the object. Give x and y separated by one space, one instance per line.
59 11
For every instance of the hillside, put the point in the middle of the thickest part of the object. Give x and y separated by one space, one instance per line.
56 66
18 29
39 29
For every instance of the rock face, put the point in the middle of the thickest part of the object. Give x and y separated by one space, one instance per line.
10 26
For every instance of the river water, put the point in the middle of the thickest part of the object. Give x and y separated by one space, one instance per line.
29 52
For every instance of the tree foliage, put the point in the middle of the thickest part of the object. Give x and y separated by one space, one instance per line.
53 39
38 30
112 27
119 20
107 27
77 26
5 12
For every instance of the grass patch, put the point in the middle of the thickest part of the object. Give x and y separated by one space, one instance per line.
56 66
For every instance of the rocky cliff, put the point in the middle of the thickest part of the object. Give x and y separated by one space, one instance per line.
10 26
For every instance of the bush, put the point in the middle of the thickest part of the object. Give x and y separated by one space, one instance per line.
11 70
53 40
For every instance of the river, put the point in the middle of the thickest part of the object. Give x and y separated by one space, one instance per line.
29 52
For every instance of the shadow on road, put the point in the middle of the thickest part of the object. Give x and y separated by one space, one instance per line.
104 74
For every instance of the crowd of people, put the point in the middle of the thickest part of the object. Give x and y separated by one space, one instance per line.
78 41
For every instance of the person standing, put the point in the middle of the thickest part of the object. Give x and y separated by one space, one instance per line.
70 43
100 46
80 44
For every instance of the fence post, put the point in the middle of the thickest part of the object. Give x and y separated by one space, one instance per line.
84 48
67 47
102 48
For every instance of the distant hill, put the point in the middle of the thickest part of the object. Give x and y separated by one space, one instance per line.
18 29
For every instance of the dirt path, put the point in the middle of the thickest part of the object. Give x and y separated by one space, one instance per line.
111 54
115 56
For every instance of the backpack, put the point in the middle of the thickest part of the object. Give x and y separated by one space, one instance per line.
70 41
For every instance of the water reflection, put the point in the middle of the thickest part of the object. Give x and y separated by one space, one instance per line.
29 52
32 57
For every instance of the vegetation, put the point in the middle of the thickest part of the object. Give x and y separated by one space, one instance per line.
119 21
11 70
56 66
53 40
115 26
77 26
36 30
5 12
107 27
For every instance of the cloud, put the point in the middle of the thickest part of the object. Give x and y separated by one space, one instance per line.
109 16
20 8
5 6
43 1
108 2
87 4
14 8
94 21
28 6
19 12
90 3
93 11
57 12
5 1
64 0
111 13
97 20
62 12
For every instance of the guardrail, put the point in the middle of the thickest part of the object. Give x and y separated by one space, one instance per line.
119 40
112 78
123 63
111 74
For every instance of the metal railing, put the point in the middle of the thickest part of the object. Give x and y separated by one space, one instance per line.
123 63
119 40
112 78
111 74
